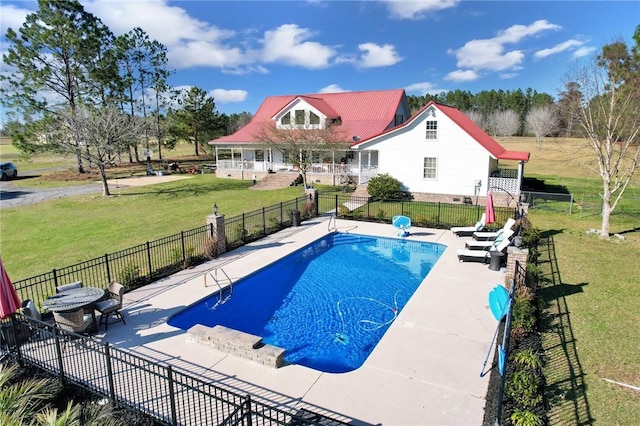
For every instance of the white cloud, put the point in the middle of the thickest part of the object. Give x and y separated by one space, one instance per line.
583 51
516 33
224 96
422 88
508 75
332 88
191 42
491 54
404 9
558 48
378 56
288 44
11 17
459 76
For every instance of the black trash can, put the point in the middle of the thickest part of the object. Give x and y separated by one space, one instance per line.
496 260
295 218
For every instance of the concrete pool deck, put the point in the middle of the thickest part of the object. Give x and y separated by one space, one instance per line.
425 370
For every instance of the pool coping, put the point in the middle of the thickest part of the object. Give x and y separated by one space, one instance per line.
425 369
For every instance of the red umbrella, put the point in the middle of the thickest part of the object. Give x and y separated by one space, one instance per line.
490 215
9 300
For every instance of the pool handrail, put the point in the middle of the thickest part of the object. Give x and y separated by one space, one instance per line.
220 288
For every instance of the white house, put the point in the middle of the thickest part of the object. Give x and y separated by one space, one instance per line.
437 154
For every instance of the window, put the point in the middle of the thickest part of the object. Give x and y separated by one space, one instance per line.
313 118
398 120
286 119
259 155
299 116
430 168
432 129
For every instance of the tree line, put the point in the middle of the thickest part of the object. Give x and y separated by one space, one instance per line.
503 113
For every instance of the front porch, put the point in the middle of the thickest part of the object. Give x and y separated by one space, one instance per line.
338 167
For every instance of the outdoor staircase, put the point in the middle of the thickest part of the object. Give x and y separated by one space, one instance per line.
277 180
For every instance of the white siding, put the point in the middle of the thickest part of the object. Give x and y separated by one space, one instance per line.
461 160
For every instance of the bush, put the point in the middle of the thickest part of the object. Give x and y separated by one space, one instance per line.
385 187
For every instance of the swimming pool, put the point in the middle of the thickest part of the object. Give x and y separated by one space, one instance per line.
327 304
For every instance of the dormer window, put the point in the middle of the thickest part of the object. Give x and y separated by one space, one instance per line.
432 129
299 117
286 119
399 119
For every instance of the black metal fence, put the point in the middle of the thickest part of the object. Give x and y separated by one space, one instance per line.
163 392
422 213
257 224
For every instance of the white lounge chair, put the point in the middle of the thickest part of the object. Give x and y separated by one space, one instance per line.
486 245
482 255
465 231
483 236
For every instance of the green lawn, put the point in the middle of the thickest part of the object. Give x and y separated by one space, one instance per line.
40 237
592 291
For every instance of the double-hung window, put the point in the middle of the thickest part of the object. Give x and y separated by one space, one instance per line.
432 129
430 168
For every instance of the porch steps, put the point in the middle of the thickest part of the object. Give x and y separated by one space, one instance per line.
277 180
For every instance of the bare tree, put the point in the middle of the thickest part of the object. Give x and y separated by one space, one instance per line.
505 123
102 132
608 112
476 117
299 144
542 121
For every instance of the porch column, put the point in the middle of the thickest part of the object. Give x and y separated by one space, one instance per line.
333 167
520 175
242 163
359 167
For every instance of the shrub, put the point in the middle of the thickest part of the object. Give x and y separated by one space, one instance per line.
381 214
210 247
385 187
129 275
523 316
525 418
523 388
309 209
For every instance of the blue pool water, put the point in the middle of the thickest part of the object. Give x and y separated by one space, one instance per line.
327 304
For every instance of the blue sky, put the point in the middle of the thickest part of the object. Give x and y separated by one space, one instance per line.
242 51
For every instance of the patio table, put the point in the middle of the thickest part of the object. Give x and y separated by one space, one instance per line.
74 299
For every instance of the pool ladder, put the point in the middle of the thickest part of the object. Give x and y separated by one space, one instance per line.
214 277
332 218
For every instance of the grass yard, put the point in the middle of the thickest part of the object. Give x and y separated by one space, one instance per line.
592 322
40 237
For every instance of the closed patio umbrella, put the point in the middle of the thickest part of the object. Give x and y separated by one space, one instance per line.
9 300
490 214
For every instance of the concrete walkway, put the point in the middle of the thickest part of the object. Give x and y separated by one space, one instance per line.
425 370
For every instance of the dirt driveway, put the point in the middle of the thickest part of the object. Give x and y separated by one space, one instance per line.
14 195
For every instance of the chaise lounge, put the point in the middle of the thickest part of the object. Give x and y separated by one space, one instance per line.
466 231
488 244
484 236
483 256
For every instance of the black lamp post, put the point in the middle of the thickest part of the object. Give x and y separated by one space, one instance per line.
215 209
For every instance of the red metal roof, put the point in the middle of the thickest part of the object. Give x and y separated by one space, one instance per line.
363 114
466 124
